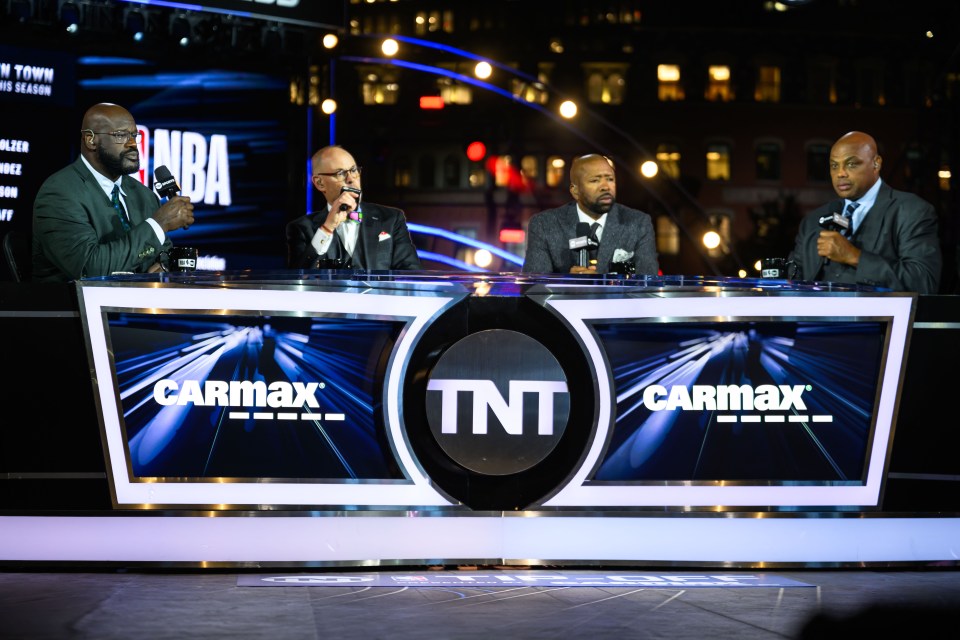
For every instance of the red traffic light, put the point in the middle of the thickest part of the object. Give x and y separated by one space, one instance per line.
476 151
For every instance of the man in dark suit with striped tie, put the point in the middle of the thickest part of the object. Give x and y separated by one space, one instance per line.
91 218
618 234
881 237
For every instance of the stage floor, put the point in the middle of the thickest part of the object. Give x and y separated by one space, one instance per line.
211 604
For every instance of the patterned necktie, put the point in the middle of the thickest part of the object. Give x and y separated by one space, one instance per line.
121 212
848 214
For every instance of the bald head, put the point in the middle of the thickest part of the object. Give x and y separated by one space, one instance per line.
593 184
854 165
101 150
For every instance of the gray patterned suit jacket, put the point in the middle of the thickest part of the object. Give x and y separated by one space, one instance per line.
549 233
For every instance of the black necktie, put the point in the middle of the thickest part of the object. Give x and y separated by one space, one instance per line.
848 214
121 212
595 241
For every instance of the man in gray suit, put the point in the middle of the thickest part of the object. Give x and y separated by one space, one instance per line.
879 236
346 234
91 218
624 235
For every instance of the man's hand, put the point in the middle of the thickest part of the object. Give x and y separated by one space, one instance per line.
176 213
578 269
832 245
336 217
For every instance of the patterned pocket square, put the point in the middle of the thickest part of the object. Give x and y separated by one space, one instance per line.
383 236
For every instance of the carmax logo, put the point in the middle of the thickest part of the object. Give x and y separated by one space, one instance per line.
764 398
245 394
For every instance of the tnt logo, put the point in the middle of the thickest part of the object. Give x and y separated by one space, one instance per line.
497 402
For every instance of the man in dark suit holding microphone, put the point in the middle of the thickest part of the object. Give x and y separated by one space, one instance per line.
618 236
91 218
874 235
345 233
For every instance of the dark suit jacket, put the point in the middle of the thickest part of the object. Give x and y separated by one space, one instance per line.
898 240
549 233
77 233
383 244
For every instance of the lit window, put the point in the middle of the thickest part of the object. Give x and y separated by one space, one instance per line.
606 83
425 22
529 168
720 222
401 172
556 169
668 159
768 84
944 175
719 87
478 175
768 161
379 85
668 236
503 166
454 91
718 161
668 77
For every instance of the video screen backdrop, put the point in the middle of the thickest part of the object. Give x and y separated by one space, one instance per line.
229 137
224 396
818 430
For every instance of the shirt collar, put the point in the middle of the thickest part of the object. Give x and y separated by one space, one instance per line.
105 183
583 217
867 200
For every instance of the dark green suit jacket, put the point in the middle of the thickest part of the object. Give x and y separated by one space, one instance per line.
77 233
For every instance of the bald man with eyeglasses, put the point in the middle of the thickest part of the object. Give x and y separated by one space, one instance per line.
345 233
91 218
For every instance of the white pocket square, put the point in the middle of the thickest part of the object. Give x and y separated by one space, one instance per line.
383 236
619 255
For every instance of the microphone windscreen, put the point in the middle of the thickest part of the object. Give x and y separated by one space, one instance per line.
165 183
583 229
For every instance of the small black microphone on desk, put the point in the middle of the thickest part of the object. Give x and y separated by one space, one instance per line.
354 215
164 182
582 243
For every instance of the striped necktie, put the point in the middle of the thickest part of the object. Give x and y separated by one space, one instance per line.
121 212
848 214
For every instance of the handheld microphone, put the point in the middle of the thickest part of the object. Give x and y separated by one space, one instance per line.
581 243
165 184
835 222
353 215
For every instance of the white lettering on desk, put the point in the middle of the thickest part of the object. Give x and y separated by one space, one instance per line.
236 393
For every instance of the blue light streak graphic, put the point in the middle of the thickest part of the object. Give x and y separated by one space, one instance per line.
470 242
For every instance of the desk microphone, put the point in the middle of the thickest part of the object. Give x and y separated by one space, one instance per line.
353 215
582 243
164 182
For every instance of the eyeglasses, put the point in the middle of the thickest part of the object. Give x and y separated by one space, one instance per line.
341 174
121 137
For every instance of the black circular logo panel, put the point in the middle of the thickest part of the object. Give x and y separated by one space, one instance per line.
497 402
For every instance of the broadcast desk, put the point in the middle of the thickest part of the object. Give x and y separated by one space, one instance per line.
355 418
